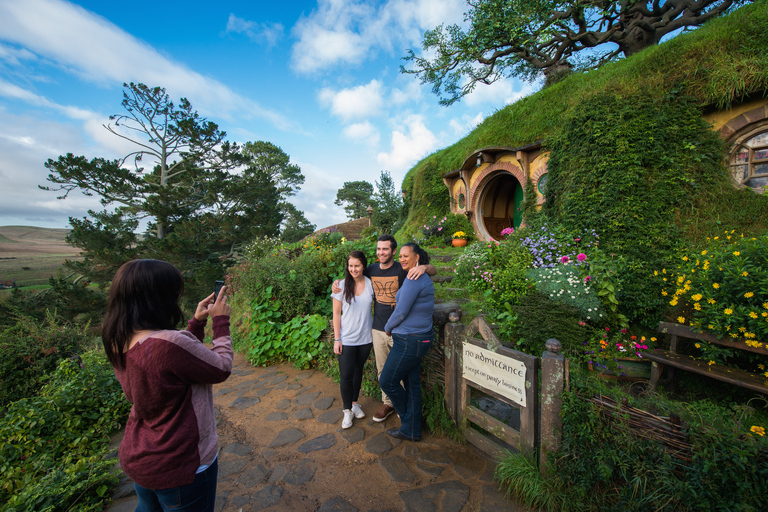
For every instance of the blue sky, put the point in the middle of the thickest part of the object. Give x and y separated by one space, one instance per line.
320 79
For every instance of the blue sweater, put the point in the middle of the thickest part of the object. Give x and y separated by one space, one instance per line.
414 307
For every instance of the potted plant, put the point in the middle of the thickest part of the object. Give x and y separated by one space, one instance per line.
459 239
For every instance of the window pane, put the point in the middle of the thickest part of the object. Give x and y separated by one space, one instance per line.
758 140
758 182
742 157
761 154
761 169
740 172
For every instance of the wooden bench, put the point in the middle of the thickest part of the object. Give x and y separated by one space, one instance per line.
671 358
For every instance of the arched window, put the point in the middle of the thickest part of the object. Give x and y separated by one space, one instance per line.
749 161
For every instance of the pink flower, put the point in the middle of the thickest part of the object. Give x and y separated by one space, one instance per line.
623 331
607 329
581 257
587 279
440 228
577 239
507 231
565 259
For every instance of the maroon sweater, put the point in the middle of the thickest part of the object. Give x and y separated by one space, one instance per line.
171 430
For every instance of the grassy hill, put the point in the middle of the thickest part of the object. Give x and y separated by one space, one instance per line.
30 255
719 64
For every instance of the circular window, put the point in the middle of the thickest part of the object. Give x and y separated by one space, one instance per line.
462 201
542 184
749 162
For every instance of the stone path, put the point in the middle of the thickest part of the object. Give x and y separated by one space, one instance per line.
282 449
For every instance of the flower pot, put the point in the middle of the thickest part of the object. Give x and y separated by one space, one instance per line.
633 369
458 242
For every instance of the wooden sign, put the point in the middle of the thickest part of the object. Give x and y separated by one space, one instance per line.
498 373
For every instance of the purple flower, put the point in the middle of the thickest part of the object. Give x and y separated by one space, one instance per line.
565 259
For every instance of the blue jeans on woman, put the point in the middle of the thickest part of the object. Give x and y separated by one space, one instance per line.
404 364
199 496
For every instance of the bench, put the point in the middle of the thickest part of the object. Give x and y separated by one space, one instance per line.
671 358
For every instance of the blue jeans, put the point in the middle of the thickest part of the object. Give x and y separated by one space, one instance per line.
404 364
199 496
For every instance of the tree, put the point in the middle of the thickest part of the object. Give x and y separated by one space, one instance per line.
388 204
273 161
355 197
295 225
199 201
526 38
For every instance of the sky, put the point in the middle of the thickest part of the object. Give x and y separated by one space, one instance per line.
320 79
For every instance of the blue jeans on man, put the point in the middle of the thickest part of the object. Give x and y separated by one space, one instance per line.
404 364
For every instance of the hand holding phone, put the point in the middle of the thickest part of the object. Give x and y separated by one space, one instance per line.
217 288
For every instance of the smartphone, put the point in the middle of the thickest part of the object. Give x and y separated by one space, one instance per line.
217 288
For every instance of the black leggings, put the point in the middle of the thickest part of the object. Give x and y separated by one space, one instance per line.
351 362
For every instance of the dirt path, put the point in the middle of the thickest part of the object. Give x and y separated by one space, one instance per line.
283 449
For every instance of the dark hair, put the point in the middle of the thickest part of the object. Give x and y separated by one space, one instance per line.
423 256
349 281
388 238
144 294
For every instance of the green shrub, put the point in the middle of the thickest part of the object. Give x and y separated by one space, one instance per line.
270 340
606 463
539 318
53 442
473 268
31 350
565 285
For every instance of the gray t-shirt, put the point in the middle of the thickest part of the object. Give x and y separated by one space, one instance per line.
356 319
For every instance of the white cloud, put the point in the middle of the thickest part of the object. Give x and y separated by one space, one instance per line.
408 146
410 93
466 124
268 33
501 91
356 102
15 55
363 132
100 52
348 32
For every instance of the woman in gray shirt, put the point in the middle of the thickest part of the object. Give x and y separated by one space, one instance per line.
352 322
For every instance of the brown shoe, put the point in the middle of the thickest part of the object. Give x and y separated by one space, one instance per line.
383 413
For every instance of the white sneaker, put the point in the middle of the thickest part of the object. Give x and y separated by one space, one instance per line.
347 421
357 411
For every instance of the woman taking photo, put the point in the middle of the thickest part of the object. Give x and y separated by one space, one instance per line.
352 322
170 446
411 328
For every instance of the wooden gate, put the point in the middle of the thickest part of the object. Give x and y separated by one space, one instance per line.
476 359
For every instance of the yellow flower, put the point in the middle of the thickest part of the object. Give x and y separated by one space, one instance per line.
742 329
673 302
717 237
710 301
761 366
664 293
703 253
745 273
752 314
697 297
685 258
736 253
748 294
710 327
765 305
715 285
665 279
664 270
681 279
697 306
734 335
681 319
653 339
697 345
710 363
764 314
757 430
728 311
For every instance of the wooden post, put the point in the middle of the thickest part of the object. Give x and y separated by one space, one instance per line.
552 373
453 372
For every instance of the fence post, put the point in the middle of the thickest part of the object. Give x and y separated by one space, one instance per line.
552 377
453 366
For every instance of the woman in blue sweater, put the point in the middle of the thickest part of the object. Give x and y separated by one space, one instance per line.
411 329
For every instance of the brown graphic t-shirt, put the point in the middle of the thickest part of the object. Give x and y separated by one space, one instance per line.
385 286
